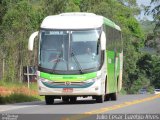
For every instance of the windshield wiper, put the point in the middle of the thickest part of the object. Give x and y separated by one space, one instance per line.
75 58
57 61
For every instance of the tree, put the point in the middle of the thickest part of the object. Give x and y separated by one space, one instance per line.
154 9
52 7
156 72
72 6
16 30
153 41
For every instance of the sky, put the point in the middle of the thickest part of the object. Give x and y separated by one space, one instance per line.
145 3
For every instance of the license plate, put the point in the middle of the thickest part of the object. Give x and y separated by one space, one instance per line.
67 90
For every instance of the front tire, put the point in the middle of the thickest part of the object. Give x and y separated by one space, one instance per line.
100 99
49 100
65 99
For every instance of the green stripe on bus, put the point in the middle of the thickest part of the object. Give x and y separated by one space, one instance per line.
72 78
109 22
111 71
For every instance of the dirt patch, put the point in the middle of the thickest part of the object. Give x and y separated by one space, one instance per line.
4 91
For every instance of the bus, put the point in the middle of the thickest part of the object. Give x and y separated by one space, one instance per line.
79 55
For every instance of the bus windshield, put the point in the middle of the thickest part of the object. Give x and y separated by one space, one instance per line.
63 50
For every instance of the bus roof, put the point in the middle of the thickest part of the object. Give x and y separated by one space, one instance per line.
76 20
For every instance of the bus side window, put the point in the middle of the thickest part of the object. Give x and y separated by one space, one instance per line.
117 39
110 38
113 39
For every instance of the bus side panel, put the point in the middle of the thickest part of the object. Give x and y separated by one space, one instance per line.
111 82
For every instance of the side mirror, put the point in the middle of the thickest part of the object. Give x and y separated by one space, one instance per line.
31 40
103 41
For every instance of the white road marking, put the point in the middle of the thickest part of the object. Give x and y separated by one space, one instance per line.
14 107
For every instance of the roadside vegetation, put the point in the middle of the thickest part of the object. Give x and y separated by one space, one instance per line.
18 92
17 98
20 18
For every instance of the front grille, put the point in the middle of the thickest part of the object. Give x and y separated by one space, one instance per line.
67 84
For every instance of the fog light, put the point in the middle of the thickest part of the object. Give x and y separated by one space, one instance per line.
39 88
96 88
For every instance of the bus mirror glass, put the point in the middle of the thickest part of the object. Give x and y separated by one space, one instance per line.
103 41
31 40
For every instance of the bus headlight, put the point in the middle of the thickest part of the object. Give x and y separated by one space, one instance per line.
43 80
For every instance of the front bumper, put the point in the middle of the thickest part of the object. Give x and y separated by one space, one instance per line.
92 89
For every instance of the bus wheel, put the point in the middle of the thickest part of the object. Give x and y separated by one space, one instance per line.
113 96
49 100
107 97
100 99
65 99
73 99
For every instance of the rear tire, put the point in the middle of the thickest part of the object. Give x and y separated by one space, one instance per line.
114 96
100 99
49 100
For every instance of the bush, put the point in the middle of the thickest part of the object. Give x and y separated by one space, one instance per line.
123 92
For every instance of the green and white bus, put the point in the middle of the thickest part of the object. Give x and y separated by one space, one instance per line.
79 55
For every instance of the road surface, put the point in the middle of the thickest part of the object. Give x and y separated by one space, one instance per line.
84 108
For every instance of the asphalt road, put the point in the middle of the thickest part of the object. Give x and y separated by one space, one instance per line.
84 108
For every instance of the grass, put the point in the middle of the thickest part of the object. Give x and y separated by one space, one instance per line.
33 86
18 92
17 98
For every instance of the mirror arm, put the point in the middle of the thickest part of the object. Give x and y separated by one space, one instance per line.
31 40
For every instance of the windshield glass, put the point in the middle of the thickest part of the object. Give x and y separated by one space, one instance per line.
62 50
85 48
